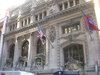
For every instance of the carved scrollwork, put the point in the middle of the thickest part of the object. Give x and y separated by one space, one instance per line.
39 62
52 33
73 64
22 61
9 62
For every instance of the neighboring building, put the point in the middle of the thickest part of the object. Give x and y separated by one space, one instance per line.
69 45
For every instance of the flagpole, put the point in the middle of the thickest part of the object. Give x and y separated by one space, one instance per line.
46 37
49 41
87 28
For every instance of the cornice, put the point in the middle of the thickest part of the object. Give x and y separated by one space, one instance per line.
52 17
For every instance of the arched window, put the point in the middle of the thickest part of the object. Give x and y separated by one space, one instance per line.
40 46
11 51
25 49
74 53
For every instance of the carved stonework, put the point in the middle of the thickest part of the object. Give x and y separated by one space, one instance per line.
72 37
73 65
52 34
9 62
39 62
22 62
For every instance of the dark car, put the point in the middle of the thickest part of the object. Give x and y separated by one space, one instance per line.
65 73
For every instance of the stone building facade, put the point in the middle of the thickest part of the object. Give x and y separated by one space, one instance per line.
69 45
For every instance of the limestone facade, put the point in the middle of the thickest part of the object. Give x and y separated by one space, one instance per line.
69 45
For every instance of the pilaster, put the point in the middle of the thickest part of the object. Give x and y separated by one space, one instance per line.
68 4
30 50
53 50
74 3
16 52
4 54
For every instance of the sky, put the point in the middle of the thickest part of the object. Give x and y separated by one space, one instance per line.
5 4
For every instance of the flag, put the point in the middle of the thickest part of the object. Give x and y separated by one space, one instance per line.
40 34
89 23
2 73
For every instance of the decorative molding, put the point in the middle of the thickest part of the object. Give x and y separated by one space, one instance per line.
72 36
52 17
52 34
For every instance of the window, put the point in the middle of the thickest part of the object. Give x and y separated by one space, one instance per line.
11 55
29 20
60 7
25 21
22 23
40 16
74 51
10 28
24 52
77 2
71 3
66 5
40 46
15 25
25 48
45 13
36 17
11 51
71 28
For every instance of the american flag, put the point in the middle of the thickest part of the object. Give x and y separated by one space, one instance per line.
40 34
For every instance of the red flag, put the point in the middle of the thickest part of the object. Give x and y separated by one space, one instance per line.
89 23
2 73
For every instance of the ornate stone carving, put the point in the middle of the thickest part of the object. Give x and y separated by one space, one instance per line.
9 62
39 62
72 37
73 65
52 34
22 61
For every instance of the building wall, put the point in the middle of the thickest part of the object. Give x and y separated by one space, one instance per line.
23 26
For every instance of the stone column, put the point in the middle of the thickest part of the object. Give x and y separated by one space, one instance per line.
23 22
68 4
53 61
63 6
4 54
42 15
17 52
30 50
18 23
32 19
74 3
47 51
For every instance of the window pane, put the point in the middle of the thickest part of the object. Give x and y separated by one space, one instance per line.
66 5
74 51
71 28
25 21
36 17
77 2
29 20
40 46
71 3
45 13
40 15
60 7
